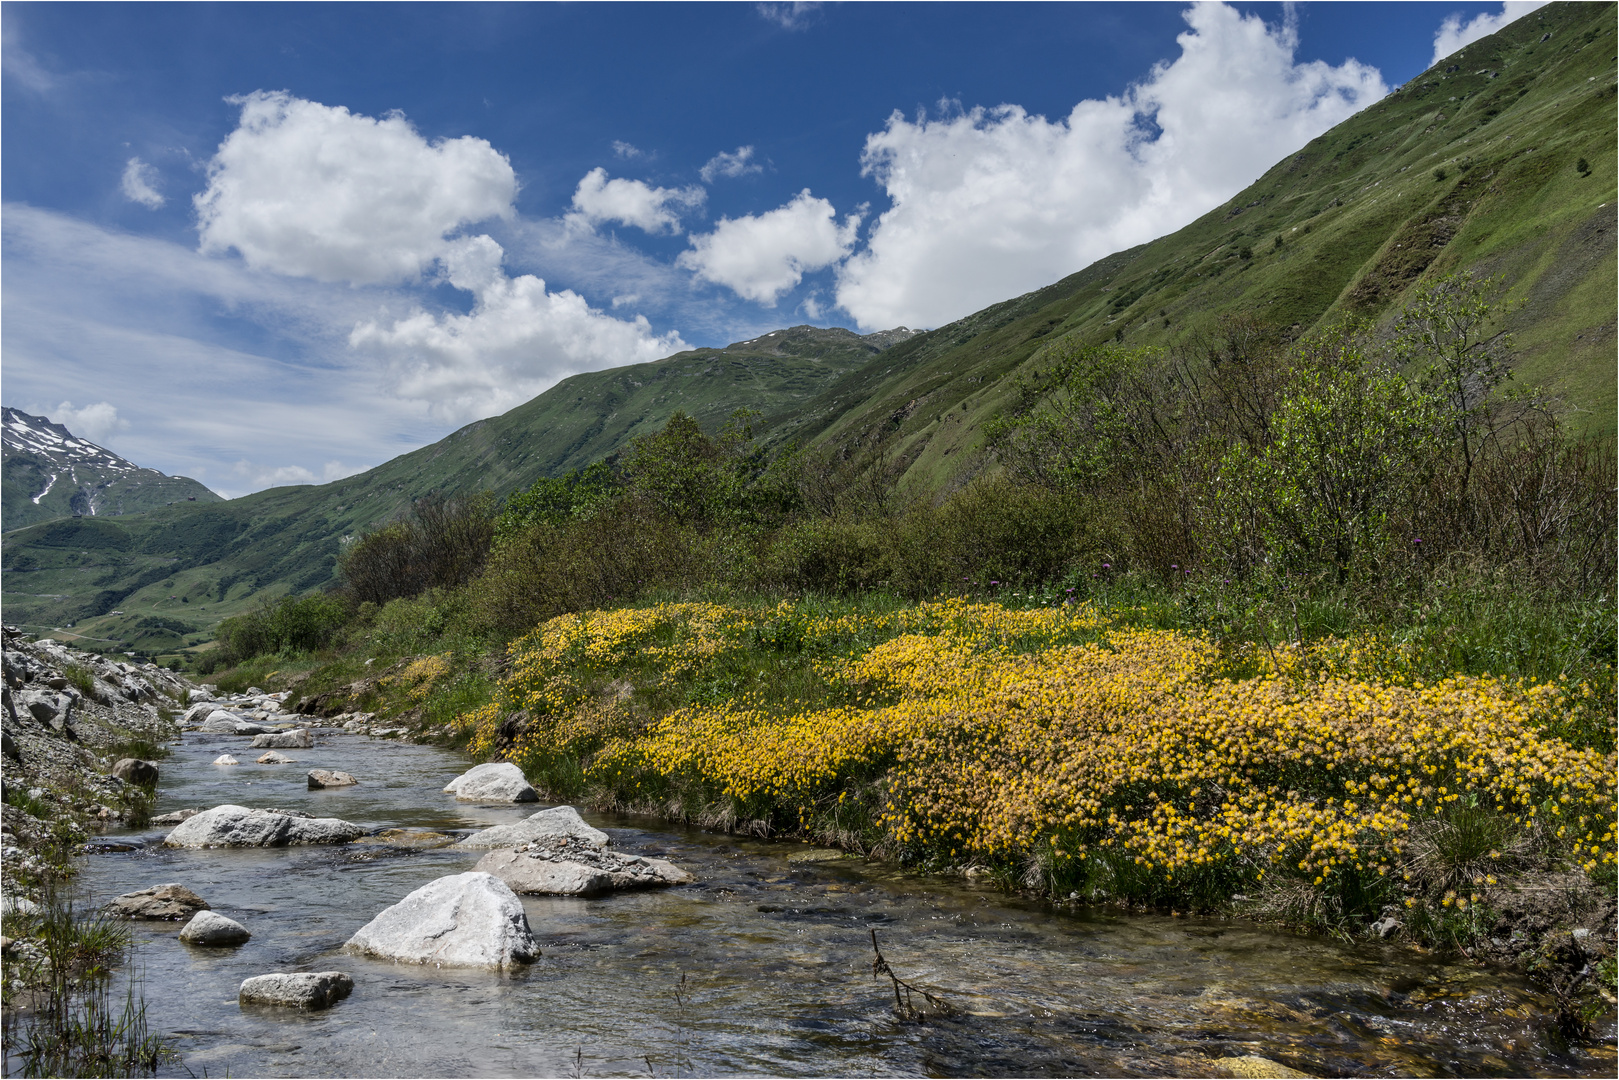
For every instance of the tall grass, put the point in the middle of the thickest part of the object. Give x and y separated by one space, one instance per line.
62 1016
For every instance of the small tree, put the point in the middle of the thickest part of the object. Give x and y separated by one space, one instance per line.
1444 338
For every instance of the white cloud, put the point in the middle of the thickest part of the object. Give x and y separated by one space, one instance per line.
761 257
19 64
267 476
1453 34
631 202
790 16
94 422
304 188
627 150
991 203
518 340
732 163
140 184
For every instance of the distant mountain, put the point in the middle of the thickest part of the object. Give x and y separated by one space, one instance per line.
190 564
1473 165
48 472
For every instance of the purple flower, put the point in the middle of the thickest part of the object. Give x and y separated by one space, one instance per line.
1174 566
994 583
1107 566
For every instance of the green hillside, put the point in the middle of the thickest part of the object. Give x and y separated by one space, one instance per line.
177 570
1472 165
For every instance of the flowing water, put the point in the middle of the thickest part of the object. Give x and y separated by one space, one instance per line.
762 967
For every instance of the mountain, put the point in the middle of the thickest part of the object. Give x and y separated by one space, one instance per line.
1473 165
179 569
48 472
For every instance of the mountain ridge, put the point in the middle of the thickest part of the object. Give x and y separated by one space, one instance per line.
41 463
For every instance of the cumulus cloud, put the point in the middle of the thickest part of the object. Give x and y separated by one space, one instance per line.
518 340
94 422
627 150
760 257
793 16
990 203
1453 34
140 184
732 163
630 202
314 190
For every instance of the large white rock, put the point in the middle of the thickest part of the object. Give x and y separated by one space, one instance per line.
569 866
197 694
494 781
297 738
221 722
201 709
237 826
554 822
300 990
212 928
464 920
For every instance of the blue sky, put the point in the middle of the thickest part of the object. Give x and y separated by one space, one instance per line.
261 244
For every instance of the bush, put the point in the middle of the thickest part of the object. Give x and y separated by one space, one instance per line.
290 625
440 544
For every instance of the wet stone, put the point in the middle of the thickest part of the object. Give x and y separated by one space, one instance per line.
171 901
300 990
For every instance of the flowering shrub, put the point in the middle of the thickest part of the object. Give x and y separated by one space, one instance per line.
1050 735
420 675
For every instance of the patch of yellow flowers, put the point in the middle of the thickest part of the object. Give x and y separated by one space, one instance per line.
420 675
1002 733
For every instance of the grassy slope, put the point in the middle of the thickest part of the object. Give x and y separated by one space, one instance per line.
195 563
1364 221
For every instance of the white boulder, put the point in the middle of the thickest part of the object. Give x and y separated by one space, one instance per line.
226 759
494 781
554 822
297 738
300 990
569 866
464 920
212 928
223 722
237 826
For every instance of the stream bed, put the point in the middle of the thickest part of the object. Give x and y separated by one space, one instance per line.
763 967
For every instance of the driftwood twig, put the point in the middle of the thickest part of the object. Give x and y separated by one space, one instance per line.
904 992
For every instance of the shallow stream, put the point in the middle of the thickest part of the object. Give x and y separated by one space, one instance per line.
762 967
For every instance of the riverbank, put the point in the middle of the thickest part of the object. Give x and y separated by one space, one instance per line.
1338 787
70 717
762 965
